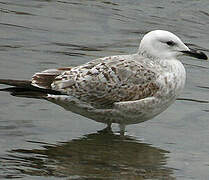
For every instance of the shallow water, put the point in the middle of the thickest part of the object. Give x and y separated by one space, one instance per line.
39 140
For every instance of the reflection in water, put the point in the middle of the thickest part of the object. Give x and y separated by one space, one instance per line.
94 156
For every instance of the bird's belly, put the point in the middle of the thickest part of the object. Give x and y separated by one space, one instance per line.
140 115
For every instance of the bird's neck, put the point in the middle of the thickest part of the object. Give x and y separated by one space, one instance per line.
147 55
170 65
154 55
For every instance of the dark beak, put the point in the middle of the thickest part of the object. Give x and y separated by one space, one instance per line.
196 54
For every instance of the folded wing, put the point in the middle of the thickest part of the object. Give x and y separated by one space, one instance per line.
108 80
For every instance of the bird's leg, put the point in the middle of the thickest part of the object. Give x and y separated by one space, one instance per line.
122 129
107 129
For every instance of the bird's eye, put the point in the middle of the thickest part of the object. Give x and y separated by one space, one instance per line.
170 43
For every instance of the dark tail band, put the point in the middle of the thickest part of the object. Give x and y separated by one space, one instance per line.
23 88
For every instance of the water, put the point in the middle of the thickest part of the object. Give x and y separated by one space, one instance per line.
39 140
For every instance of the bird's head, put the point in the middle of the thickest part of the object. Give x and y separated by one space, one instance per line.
165 45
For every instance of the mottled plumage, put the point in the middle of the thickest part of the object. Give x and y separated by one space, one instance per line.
122 89
105 81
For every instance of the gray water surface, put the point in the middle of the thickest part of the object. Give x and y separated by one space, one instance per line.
39 140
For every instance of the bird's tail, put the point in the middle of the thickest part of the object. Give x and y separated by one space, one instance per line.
24 88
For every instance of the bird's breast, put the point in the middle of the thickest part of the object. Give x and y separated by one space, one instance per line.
172 81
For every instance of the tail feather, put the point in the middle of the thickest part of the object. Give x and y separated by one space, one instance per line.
18 83
23 92
23 88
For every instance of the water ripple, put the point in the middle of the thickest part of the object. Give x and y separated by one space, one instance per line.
97 156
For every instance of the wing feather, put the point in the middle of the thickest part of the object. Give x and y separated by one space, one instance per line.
104 81
45 78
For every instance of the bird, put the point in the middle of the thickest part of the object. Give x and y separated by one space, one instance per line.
122 89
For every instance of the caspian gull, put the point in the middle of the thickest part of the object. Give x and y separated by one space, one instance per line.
123 89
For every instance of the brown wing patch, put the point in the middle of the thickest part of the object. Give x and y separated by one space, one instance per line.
135 92
45 78
103 82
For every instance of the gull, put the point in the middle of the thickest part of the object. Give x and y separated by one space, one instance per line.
122 89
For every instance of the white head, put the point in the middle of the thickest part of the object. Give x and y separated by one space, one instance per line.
165 45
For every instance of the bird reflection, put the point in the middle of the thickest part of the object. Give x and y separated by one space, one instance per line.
94 156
